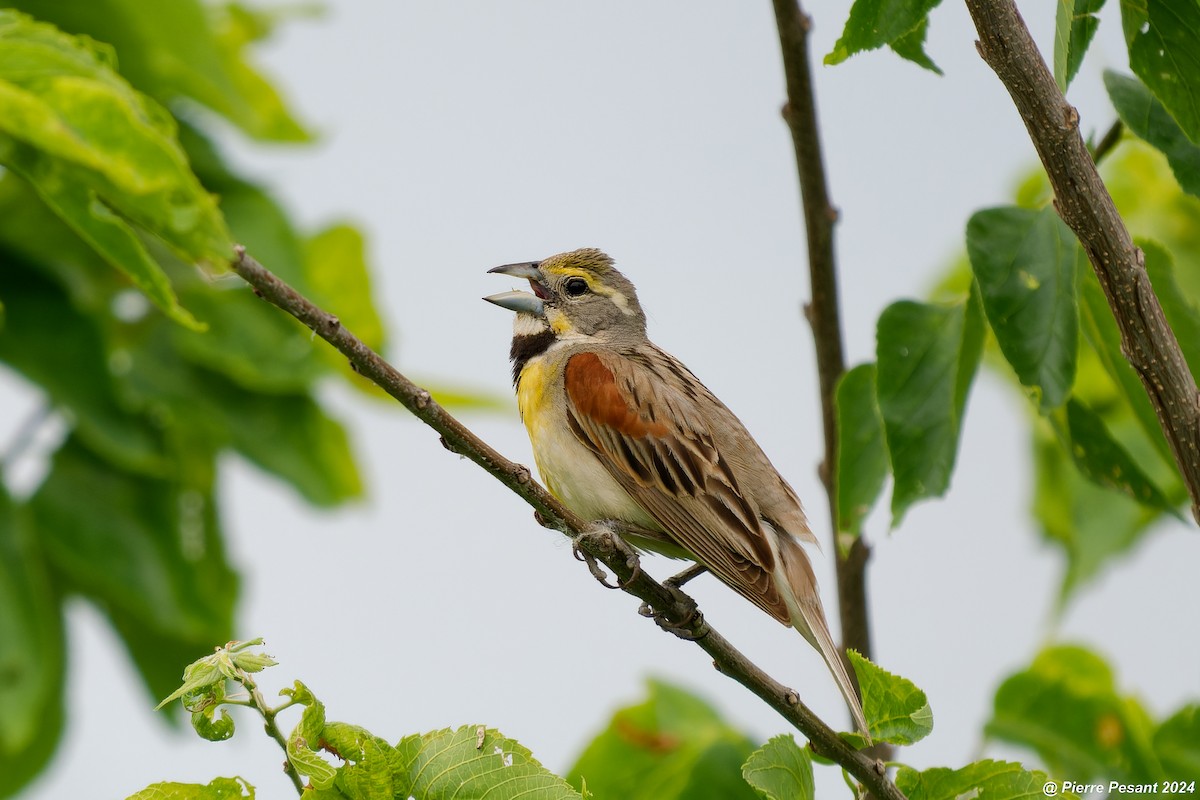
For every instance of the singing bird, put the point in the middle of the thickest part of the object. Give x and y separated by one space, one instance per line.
622 430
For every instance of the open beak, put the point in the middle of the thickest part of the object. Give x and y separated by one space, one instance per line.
521 302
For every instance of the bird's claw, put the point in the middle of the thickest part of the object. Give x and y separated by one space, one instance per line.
689 628
606 540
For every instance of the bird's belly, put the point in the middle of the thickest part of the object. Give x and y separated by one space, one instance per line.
570 470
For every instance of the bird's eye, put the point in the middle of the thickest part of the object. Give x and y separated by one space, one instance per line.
575 286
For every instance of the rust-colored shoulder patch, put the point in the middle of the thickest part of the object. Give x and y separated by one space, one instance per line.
596 396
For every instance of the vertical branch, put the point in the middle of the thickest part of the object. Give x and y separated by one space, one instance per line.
823 312
1083 202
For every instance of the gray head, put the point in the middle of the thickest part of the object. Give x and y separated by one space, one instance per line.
575 295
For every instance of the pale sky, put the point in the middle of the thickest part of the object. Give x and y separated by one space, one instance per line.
461 136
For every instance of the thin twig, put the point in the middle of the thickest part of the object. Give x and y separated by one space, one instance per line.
823 311
1084 203
673 609
259 703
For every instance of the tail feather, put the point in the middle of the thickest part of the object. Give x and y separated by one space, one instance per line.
795 577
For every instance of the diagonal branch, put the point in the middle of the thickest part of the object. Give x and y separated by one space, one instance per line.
1084 203
823 312
674 610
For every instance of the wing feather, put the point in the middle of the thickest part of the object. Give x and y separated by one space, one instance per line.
652 437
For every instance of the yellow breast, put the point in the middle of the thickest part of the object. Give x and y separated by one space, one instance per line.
570 470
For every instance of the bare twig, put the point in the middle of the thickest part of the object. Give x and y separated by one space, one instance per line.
823 311
671 607
1084 203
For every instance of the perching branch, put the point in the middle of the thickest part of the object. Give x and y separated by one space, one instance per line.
671 608
823 311
1084 203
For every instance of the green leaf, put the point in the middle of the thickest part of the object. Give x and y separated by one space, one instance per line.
102 156
672 745
986 780
1091 524
862 454
911 46
1145 116
781 770
1103 460
336 265
1177 744
210 727
148 550
305 739
101 226
1074 26
1163 37
287 435
32 662
218 789
472 763
63 351
926 358
874 23
1180 310
185 49
1105 339
1024 261
896 710
1067 709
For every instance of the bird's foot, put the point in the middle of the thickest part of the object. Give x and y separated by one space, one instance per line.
688 622
608 543
677 581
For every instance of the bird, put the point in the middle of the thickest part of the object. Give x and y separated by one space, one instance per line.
622 431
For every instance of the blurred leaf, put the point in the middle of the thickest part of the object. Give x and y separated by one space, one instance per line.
1074 27
781 770
247 340
462 765
101 227
1102 459
1091 524
1179 309
1147 118
288 435
862 454
1024 262
184 49
217 789
874 23
896 710
1177 744
985 780
63 352
926 358
142 547
335 262
1163 37
1067 709
101 156
1154 207
1105 338
31 654
672 745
